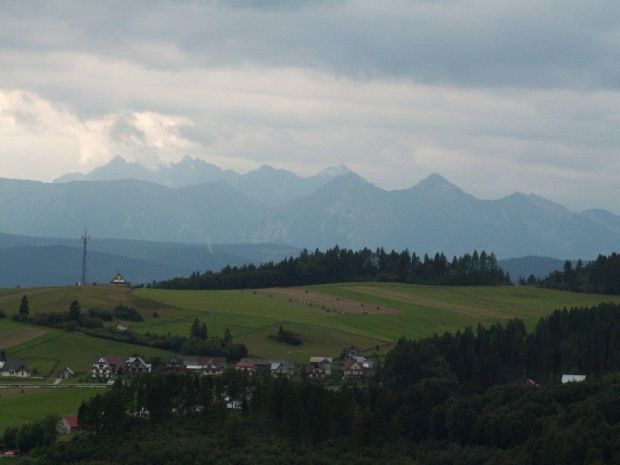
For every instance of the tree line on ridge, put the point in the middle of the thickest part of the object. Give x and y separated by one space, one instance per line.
343 265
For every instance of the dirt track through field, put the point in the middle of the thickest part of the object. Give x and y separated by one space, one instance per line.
325 302
473 312
12 337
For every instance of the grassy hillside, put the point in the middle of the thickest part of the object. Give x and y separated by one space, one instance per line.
327 318
19 406
333 315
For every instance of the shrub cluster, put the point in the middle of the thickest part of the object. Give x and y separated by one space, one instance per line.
103 315
127 313
287 337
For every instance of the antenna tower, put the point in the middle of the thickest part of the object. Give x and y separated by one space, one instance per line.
86 238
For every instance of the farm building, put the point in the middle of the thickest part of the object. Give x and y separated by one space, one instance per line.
66 373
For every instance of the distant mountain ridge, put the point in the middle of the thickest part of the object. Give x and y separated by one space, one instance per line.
336 207
268 185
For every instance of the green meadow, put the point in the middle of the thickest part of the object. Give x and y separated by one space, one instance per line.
411 311
17 407
420 311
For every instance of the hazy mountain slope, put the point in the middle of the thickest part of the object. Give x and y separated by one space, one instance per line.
523 267
36 261
187 172
347 211
57 265
129 209
267 185
278 187
436 216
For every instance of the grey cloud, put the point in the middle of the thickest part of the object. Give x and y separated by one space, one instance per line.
477 43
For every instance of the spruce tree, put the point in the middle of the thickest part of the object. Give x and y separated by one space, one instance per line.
23 307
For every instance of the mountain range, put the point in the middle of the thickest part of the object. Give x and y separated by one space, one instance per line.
196 204
257 184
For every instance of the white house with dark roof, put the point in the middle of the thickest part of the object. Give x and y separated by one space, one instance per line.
107 367
14 367
119 281
135 365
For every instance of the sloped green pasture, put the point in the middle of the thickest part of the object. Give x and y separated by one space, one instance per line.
17 407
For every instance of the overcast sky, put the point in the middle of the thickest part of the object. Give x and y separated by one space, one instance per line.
496 96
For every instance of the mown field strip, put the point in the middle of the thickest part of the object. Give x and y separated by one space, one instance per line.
19 335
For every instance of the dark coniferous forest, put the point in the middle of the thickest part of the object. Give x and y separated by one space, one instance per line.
344 265
601 276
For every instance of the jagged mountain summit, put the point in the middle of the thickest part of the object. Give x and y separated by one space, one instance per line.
336 207
266 184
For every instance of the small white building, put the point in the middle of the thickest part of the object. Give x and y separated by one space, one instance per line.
573 378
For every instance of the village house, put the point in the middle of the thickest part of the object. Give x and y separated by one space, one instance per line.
122 326
353 369
136 366
354 353
350 353
315 371
324 362
280 370
176 365
200 366
119 281
107 367
265 365
13 366
247 367
319 368
213 366
67 425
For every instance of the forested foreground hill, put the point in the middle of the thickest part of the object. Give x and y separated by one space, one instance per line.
459 398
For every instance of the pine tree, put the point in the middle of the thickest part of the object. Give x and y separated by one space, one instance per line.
74 310
195 329
23 307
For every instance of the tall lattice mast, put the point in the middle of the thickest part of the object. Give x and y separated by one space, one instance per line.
86 238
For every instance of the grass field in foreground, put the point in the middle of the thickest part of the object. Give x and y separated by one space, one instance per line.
17 408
